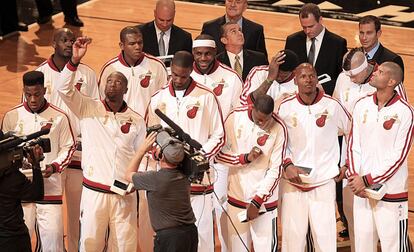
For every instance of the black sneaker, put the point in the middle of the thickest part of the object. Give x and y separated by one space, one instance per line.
22 27
44 20
74 21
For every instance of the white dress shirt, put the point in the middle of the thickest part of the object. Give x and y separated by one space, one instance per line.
318 43
232 58
167 36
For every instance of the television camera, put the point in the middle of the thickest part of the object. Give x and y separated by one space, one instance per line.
195 163
13 149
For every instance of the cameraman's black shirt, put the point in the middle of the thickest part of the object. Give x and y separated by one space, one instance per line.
168 193
14 187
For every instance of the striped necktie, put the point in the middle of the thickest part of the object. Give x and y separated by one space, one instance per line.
237 65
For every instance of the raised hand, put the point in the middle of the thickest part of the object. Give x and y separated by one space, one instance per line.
274 64
79 48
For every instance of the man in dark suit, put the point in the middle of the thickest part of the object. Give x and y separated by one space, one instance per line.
369 34
318 46
253 32
239 59
161 36
45 9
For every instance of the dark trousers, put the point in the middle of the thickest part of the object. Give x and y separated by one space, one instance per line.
45 8
8 16
19 243
178 239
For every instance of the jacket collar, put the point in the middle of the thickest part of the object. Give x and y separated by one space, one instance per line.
121 59
318 97
121 110
390 102
52 64
189 89
43 108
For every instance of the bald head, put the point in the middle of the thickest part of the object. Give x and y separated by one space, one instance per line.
304 66
61 31
120 76
168 4
394 71
164 14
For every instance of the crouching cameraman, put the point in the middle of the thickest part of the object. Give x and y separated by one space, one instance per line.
168 193
15 187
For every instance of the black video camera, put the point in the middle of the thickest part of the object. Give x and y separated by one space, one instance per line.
194 164
14 148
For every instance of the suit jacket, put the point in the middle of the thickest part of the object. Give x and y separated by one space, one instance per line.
253 34
383 54
331 53
250 59
179 39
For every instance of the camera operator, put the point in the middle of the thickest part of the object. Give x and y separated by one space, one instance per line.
34 114
168 194
15 187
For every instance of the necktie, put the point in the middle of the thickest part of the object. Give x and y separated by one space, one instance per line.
161 45
237 65
311 55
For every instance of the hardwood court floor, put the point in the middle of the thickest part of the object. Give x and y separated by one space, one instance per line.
105 18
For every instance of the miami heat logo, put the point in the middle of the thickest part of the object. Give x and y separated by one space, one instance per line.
145 79
79 84
261 140
47 124
320 122
218 89
192 110
389 121
126 125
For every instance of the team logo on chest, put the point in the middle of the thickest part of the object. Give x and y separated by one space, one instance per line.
261 140
320 122
79 84
218 87
126 125
389 121
192 109
46 124
145 79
